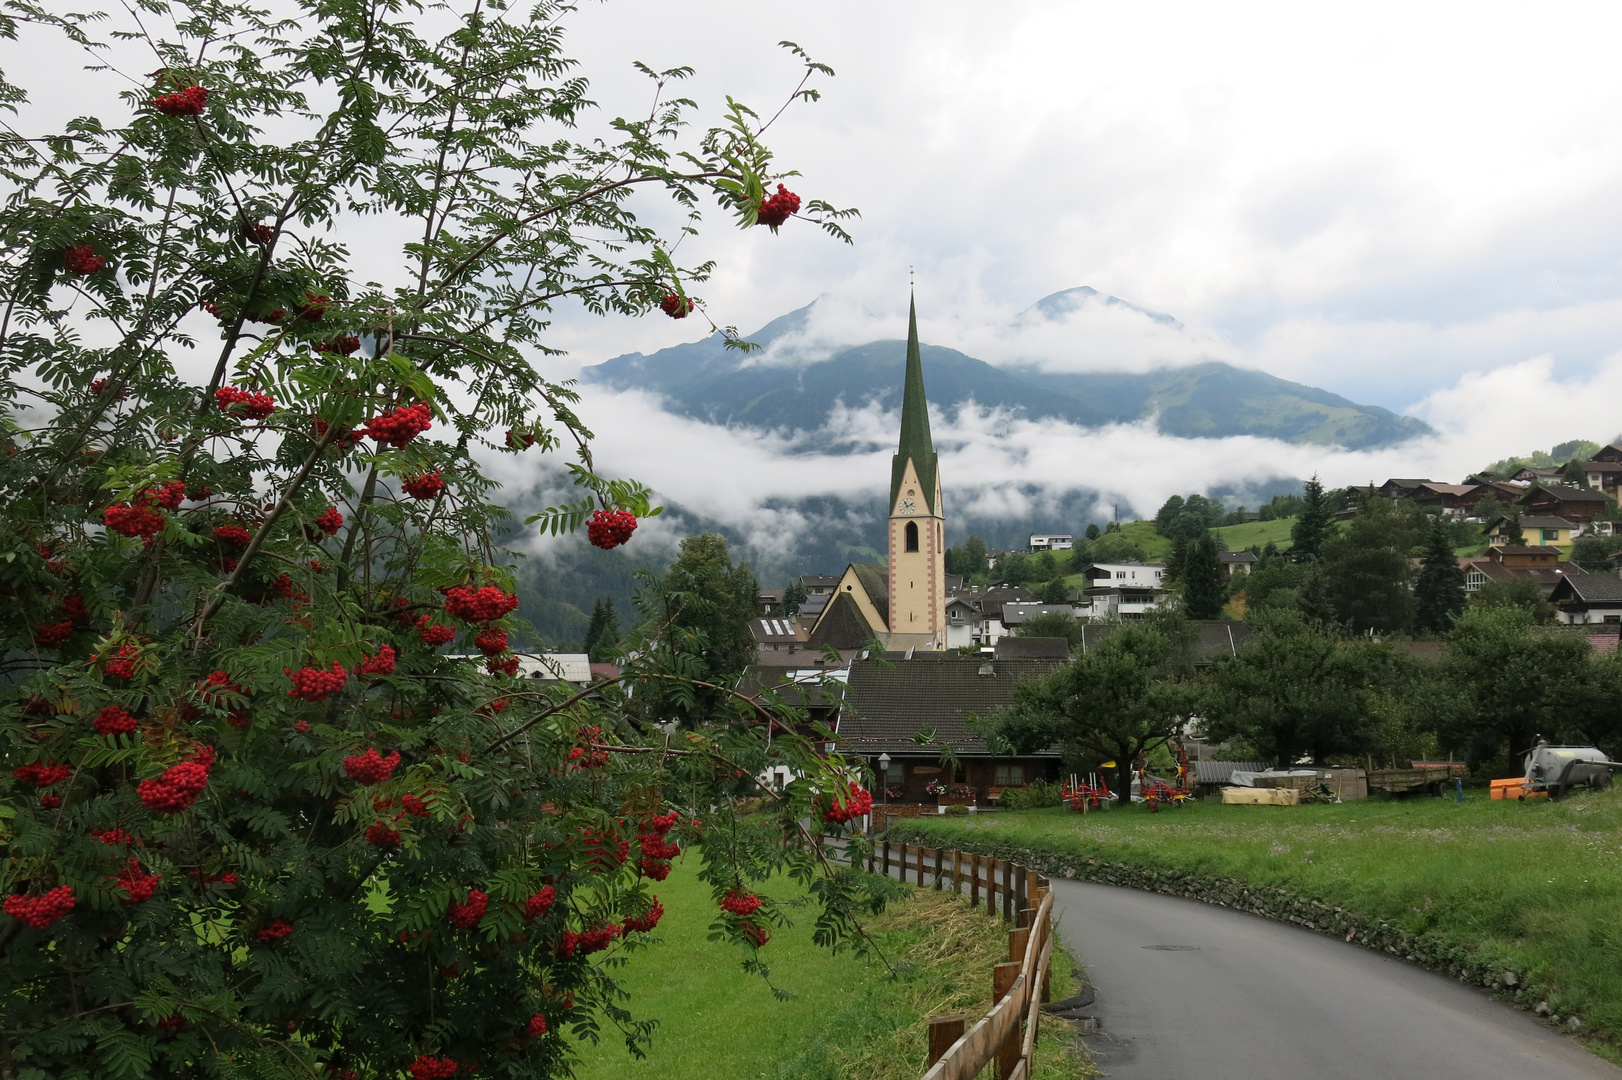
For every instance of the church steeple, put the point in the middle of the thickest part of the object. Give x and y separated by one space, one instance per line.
916 444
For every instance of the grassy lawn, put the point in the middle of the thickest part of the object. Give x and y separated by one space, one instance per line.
1534 887
848 1017
1240 537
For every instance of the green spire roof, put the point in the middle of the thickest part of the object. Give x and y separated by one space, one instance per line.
915 441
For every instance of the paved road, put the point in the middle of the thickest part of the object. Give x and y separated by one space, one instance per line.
1186 989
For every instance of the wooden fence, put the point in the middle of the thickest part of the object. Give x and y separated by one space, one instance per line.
1007 1033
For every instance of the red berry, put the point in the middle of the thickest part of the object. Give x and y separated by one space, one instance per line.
434 636
538 904
381 835
755 935
648 919
485 605
187 102
114 721
257 232
52 634
520 440
249 404
738 903
426 486
432 1068
778 208
314 308
369 768
673 306
491 641
275 931
82 261
346 344
313 684
50 802
467 915
859 802
137 883
398 427
537 1026
40 912
330 521
179 785
610 528
122 665
133 521
234 535
509 666
655 869
42 775
381 664
414 805
302 726
114 837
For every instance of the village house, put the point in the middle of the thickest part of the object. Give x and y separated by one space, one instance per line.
778 640
1454 500
1052 542
1508 562
1015 616
1588 598
1535 531
1576 504
1235 561
975 616
1122 590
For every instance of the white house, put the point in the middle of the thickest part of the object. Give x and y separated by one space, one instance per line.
1122 590
1052 542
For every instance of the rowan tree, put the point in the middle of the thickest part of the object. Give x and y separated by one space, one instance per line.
276 800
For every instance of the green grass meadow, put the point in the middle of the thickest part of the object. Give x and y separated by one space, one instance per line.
1534 887
848 1016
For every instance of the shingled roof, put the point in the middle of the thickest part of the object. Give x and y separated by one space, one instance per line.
842 626
890 699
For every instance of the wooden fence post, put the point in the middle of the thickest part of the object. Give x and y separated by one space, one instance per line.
886 870
974 881
957 871
1010 875
944 1030
1017 942
938 855
1003 977
1027 916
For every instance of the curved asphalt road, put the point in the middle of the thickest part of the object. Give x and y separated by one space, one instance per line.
1186 989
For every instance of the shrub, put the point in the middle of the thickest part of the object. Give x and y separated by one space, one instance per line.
1036 793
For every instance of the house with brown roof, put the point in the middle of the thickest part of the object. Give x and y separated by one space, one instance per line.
1451 499
1587 599
1535 531
1507 563
893 697
975 616
1575 504
779 640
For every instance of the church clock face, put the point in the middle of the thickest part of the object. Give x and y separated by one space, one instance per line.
908 506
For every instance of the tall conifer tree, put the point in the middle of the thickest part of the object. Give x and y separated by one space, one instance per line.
1439 592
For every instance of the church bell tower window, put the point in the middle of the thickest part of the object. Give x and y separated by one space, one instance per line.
912 536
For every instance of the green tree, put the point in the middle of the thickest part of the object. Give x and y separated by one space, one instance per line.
1512 532
795 594
1123 697
1366 571
1312 527
1015 568
1056 591
1439 591
1053 624
1292 691
238 541
1167 514
1093 532
1114 547
602 633
968 560
1516 592
1205 585
698 616
1514 682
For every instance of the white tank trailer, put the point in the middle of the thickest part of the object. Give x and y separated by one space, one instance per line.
1558 769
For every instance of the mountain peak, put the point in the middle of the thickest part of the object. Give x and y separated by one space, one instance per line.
1061 304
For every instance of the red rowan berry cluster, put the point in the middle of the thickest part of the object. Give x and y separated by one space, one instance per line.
649 919
538 904
122 664
249 404
345 344
227 878
52 634
187 102
73 607
179 785
169 496
381 835
50 802
434 636
370 768
113 720
492 641
859 802
610 528
217 685
381 664
53 565
42 775
313 684
133 521
486 604
343 440
137 883
776 209
82 260
426 486
508 666
275 931
397 427
520 440
467 915
537 1026
415 805
596 939
755 935
39 912
114 837
674 306
257 232
234 535
314 308
743 904
432 1068
604 854
330 521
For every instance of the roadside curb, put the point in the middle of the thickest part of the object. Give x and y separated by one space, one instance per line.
1298 909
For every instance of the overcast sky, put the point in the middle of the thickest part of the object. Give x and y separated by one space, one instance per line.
1411 205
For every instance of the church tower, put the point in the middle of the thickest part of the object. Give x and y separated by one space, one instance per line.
917 541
